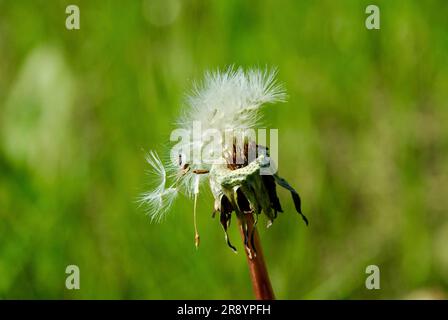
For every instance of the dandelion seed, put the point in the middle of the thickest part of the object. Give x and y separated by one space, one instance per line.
161 198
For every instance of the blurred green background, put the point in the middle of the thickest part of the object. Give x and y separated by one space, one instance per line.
363 138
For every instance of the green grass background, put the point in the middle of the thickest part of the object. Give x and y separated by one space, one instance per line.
363 138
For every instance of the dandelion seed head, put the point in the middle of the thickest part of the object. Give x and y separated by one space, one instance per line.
225 101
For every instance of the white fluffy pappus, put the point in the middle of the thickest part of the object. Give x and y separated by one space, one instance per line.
160 199
231 99
225 100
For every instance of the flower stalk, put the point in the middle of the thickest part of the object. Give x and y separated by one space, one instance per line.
261 283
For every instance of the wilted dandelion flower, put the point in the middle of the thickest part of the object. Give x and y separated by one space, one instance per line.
238 173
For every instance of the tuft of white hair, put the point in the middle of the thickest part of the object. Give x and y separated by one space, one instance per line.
232 99
160 199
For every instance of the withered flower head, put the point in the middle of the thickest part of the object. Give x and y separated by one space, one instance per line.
239 175
245 190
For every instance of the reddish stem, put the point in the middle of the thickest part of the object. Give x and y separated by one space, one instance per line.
257 266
